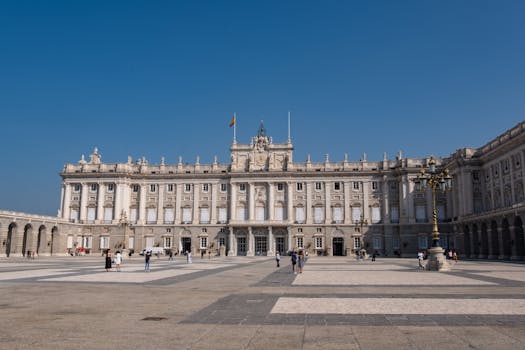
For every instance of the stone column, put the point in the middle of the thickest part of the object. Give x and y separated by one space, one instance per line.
289 202
327 201
178 201
270 242
142 204
160 204
346 210
231 250
290 246
100 202
196 199
83 202
66 207
308 209
501 254
251 201
386 205
251 243
213 209
233 200
366 205
271 202
119 204
403 200
513 246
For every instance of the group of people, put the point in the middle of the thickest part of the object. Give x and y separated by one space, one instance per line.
117 259
297 258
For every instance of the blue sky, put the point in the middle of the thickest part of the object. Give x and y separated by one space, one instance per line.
163 78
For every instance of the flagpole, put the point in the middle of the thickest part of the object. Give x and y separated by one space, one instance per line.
234 128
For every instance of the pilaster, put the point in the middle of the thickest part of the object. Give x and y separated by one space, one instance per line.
83 202
100 202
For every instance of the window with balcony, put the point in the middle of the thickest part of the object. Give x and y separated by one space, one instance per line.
169 216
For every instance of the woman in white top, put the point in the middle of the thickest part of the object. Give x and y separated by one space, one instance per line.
118 260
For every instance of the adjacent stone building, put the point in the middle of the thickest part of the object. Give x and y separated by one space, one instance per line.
262 201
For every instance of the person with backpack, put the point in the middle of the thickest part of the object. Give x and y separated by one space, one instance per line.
294 262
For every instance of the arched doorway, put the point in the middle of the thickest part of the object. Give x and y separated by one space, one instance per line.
505 233
494 239
518 232
27 233
338 246
41 239
54 237
484 241
466 238
11 230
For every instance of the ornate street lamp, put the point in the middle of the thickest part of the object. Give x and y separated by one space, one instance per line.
441 181
359 225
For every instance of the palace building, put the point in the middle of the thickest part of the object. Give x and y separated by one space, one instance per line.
262 202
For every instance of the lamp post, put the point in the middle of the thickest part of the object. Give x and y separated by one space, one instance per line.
359 224
441 181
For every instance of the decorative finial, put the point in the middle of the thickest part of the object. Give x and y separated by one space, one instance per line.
308 158
180 159
162 161
326 158
215 159
82 160
346 157
384 157
95 157
198 160
262 130
363 159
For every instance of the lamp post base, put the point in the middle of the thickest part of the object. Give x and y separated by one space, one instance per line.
436 260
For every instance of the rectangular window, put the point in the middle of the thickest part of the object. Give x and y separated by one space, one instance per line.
133 215
152 188
170 187
443 241
223 215
299 215
377 242
318 186
91 214
111 187
151 215
356 214
357 243
204 242
205 215
76 188
318 242
94 187
167 242
242 187
223 187
279 213
338 215
169 217
376 215
241 213
394 215
318 215
73 215
440 212
104 242
356 185
69 242
205 187
131 242
337 186
421 213
108 214
187 187
280 186
259 213
88 240
423 242
135 188
300 242
186 215
395 243
299 186
222 242
375 185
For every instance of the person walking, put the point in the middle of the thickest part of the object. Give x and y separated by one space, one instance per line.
420 260
118 260
278 259
170 255
147 258
294 262
108 260
300 261
188 257
374 256
455 256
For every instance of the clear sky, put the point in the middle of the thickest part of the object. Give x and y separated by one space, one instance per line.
163 78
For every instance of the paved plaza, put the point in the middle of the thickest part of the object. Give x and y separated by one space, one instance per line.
248 303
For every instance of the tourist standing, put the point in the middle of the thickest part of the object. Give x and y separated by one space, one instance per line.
118 260
278 259
455 256
420 259
108 260
294 262
147 258
188 257
300 261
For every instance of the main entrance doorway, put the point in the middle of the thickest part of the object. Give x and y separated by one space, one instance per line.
280 246
241 246
261 245
337 246
186 244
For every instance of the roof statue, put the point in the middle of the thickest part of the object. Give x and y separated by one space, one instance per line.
95 157
262 130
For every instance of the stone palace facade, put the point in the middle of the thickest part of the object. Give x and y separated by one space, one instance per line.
262 202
